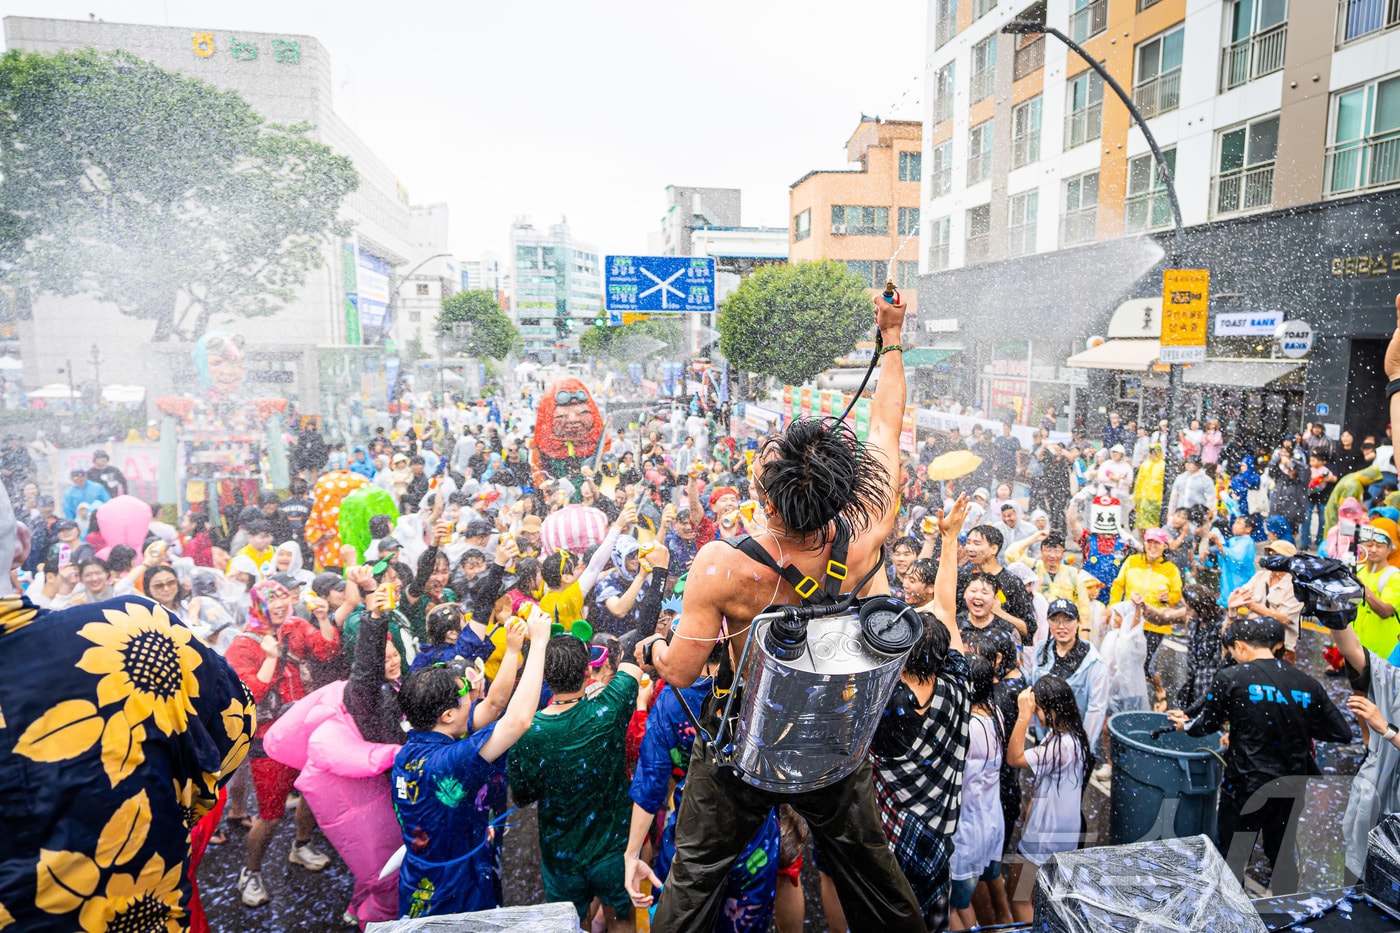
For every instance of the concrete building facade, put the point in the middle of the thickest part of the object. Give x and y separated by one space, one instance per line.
1267 112
557 287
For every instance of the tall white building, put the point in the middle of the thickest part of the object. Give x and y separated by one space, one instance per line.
1279 121
324 345
558 287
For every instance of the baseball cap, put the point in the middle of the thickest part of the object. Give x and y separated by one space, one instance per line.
1281 547
44 500
1062 607
389 545
66 525
1118 449
101 453
478 527
531 524
1156 534
287 581
77 471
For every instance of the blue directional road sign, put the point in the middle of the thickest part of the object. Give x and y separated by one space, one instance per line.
659 283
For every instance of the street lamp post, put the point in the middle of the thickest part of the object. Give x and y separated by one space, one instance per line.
1027 27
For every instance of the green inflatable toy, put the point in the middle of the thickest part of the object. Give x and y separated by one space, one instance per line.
357 509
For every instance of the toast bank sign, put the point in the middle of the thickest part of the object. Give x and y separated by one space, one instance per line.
1259 323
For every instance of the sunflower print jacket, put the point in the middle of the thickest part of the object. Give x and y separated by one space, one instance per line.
117 729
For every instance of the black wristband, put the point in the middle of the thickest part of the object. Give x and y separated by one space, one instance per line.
1391 388
646 654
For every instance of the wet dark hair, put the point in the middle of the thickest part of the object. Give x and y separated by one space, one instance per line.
1202 600
427 694
526 570
986 578
989 534
400 569
260 527
297 486
565 664
1053 539
380 526
923 570
981 680
1255 631
443 621
91 562
818 469
554 566
121 558
1060 714
926 660
907 542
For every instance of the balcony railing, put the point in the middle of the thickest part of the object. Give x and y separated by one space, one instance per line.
1089 21
1031 58
1357 19
1079 226
978 248
1025 149
1146 211
938 257
940 182
1020 240
983 83
1244 189
1159 94
1083 125
1252 57
1363 163
942 108
979 166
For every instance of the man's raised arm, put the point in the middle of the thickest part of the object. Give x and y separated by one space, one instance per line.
887 408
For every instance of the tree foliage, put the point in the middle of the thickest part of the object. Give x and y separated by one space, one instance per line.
632 342
792 321
158 192
493 334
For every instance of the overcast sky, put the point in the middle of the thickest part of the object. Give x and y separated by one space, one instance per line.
548 107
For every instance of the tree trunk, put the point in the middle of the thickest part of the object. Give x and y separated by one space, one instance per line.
163 313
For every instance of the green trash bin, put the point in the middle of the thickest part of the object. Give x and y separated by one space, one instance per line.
1162 788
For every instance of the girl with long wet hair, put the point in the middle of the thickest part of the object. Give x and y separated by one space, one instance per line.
1061 764
981 833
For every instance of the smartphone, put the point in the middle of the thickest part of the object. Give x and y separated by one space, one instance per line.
65 555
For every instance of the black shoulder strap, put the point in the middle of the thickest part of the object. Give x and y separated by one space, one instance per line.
807 588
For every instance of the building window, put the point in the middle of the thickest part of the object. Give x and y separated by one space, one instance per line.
415 317
910 166
1258 30
1364 150
1020 223
1359 18
906 277
1025 133
908 220
802 226
1090 17
1084 122
848 220
1144 4
981 8
979 151
943 80
984 65
940 177
423 289
1079 223
1244 179
1029 57
979 233
945 22
1158 86
940 239
1148 206
874 273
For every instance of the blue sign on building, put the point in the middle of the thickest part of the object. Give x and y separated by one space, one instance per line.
659 283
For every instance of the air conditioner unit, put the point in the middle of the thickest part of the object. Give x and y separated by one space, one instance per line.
838 229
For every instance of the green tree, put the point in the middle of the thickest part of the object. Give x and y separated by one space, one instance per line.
160 193
493 334
632 342
792 321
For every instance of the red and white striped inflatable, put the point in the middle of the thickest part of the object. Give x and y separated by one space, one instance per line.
574 528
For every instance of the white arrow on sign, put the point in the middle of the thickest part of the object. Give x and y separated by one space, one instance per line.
665 286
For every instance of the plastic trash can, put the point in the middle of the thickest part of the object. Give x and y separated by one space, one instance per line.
1163 788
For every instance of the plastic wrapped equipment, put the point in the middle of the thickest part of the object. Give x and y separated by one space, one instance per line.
539 918
1381 883
1146 887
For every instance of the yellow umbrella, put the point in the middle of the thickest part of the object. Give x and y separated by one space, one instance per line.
953 465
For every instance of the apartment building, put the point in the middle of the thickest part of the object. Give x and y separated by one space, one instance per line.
558 288
1279 121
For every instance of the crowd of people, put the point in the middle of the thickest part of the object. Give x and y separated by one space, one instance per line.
503 633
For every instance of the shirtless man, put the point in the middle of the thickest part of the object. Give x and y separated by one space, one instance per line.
807 479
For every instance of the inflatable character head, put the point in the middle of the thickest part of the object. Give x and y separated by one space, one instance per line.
218 362
568 423
1104 514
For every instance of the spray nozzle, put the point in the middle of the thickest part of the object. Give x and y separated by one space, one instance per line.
891 295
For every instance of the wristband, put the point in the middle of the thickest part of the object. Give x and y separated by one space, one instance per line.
646 654
1391 388
895 346
1390 731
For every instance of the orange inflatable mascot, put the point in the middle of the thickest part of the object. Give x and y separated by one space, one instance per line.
568 430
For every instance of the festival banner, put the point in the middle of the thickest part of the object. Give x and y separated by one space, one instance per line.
140 463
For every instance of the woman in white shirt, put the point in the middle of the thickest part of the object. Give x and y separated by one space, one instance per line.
981 832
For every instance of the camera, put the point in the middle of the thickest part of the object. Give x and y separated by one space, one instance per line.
1328 589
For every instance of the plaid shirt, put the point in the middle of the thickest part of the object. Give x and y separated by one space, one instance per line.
926 781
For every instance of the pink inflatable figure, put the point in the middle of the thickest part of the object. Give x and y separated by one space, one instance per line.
123 520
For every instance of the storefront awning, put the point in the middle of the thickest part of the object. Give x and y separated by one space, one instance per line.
1129 355
928 356
1246 374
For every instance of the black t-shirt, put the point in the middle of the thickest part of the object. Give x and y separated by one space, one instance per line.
1018 601
1275 712
1006 450
1006 638
295 511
